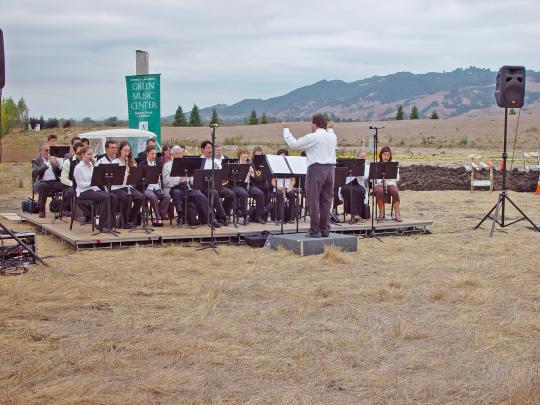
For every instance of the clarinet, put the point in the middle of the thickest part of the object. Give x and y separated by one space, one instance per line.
127 172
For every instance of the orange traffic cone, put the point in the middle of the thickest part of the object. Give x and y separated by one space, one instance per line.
538 185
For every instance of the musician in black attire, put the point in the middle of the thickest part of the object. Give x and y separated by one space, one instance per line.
66 177
284 188
258 180
225 193
179 186
253 191
154 192
355 185
149 142
46 172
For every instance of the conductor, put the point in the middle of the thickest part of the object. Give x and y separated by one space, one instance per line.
320 148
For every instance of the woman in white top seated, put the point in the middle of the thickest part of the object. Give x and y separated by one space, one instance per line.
82 176
284 188
387 190
159 199
130 198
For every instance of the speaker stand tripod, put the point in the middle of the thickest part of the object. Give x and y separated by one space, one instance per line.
503 196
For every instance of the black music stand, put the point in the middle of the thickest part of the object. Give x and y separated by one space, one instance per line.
59 151
108 175
185 167
356 168
235 172
298 167
211 180
381 171
143 176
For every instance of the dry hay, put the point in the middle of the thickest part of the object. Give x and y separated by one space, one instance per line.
447 317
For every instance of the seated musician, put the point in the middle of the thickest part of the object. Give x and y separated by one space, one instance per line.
259 180
218 157
73 140
284 188
179 186
225 193
159 199
387 190
253 191
46 170
165 154
149 142
357 204
82 176
67 174
111 148
52 140
129 197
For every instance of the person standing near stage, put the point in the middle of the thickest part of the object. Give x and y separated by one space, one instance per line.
320 148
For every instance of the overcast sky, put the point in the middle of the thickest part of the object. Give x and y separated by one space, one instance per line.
69 58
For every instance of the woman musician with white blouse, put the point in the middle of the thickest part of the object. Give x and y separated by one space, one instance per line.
82 176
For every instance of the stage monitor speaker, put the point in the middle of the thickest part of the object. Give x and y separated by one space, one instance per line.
510 87
2 62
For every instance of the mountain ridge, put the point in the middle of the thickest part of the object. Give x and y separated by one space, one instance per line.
463 91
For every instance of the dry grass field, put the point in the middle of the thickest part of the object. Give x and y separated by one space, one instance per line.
451 317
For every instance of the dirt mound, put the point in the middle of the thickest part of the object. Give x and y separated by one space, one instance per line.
428 178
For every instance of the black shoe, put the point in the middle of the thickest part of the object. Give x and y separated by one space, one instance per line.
325 234
216 224
224 221
246 221
334 218
313 235
129 225
262 221
105 229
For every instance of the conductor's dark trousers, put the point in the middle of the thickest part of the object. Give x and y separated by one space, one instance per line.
319 197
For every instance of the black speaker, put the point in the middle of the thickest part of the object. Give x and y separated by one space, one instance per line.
2 62
510 87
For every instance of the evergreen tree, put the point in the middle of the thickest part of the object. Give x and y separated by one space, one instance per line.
399 113
264 119
179 118
24 114
434 115
194 117
253 120
215 118
414 113
512 111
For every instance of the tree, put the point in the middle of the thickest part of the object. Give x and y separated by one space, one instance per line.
111 122
414 113
194 117
179 118
67 124
434 115
512 111
399 112
24 114
10 115
215 118
264 119
253 120
52 123
87 122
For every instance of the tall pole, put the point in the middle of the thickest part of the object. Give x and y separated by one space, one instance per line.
504 157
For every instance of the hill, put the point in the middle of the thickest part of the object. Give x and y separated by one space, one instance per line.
457 93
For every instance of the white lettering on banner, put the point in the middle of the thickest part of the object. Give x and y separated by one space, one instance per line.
143 86
145 95
139 105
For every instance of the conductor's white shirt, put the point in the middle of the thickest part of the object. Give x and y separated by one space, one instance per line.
320 146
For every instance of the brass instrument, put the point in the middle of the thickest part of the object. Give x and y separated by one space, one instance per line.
127 175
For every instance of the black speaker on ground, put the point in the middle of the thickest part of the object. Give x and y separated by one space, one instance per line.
2 62
510 87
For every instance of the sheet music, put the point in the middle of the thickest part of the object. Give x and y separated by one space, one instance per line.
277 164
298 164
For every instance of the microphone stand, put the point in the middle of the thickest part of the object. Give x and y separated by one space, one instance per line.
372 184
213 243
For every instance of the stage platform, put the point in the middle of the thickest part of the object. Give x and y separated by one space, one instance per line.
81 236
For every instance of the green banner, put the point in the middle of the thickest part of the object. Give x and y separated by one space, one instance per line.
144 107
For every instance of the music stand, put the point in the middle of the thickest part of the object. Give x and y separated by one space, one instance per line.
211 180
298 167
381 171
59 151
143 176
356 168
108 175
235 172
185 167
